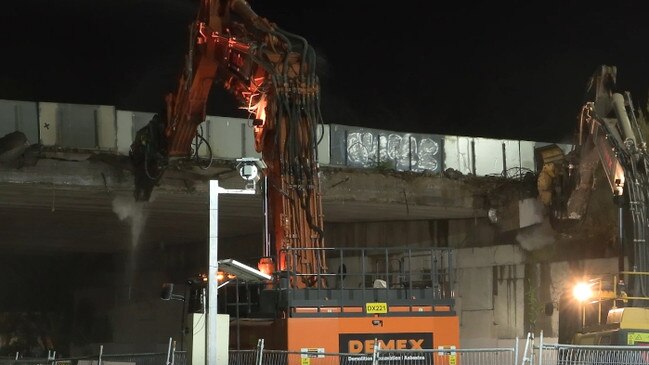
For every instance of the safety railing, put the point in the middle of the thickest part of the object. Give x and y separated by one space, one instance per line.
597 295
407 276
613 287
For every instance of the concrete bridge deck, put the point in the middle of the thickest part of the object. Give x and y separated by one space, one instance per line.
71 201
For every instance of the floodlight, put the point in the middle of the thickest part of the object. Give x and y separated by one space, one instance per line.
242 271
582 291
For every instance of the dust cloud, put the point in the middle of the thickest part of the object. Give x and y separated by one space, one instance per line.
537 236
133 212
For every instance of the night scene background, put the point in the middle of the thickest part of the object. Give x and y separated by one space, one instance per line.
493 69
504 70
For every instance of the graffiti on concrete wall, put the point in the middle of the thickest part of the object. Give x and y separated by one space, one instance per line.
384 149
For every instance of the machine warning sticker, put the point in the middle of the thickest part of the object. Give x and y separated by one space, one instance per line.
360 346
637 338
309 352
375 308
450 352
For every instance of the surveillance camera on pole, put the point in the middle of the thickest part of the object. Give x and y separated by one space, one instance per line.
249 168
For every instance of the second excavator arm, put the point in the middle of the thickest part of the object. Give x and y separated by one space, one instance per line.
608 135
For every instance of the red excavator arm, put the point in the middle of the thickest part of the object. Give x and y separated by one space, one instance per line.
272 74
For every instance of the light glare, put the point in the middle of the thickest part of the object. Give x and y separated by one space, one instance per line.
582 292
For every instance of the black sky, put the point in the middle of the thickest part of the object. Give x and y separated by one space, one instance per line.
495 69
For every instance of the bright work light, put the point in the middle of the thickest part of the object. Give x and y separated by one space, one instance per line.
582 292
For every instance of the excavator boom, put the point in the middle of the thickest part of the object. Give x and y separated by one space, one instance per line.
608 135
271 73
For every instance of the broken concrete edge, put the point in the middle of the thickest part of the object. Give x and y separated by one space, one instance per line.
78 168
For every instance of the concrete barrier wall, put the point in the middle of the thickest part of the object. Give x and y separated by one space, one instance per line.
230 138
102 127
78 126
459 154
376 148
128 123
19 116
489 157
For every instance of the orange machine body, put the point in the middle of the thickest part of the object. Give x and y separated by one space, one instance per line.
364 306
355 335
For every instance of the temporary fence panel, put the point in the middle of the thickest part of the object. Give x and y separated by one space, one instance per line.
314 356
595 355
446 356
242 357
125 359
171 357
563 354
134 359
442 356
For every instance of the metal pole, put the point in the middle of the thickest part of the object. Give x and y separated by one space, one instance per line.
238 316
516 351
266 222
169 351
173 354
213 268
260 351
212 291
541 350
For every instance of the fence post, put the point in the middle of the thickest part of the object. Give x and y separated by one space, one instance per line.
260 351
530 336
169 352
51 356
101 353
375 353
173 353
516 351
541 349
